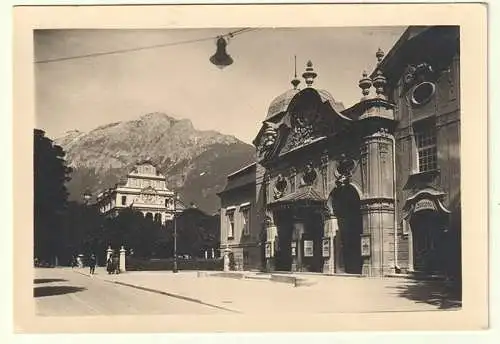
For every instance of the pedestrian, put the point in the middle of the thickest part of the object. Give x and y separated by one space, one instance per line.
109 265
92 263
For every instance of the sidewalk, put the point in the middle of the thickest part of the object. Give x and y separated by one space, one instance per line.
317 294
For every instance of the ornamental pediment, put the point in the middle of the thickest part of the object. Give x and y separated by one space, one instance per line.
308 118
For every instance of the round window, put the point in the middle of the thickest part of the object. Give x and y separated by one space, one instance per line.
422 93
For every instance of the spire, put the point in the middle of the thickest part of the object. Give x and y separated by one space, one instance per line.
380 55
295 81
365 83
309 75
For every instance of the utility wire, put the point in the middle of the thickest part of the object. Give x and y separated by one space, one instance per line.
149 47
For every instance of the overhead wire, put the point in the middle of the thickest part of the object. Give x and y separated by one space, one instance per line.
149 47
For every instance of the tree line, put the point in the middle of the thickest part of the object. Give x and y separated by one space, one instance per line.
65 228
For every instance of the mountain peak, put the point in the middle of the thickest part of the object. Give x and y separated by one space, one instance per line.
157 115
181 152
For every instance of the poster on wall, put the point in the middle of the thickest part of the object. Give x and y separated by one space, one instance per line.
308 248
268 250
365 246
294 248
326 247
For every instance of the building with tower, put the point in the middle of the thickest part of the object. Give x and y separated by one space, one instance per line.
144 189
372 189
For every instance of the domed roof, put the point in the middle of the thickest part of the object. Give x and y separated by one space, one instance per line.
281 102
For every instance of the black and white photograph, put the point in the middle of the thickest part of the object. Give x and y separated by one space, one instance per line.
247 170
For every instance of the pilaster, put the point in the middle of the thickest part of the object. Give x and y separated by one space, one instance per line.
331 229
297 259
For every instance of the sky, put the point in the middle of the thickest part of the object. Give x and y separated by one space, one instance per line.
179 80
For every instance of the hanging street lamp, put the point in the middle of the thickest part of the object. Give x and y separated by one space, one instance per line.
221 58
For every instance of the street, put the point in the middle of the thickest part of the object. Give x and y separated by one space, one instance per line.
66 292
73 292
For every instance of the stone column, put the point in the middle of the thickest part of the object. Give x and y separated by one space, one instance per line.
297 261
109 253
378 205
226 260
271 236
410 250
331 228
122 259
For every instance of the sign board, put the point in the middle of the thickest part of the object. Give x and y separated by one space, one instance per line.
308 248
294 248
326 247
424 204
365 246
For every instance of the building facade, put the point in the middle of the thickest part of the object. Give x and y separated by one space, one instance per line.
144 189
238 220
372 189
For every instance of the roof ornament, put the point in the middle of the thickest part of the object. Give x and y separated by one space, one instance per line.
309 75
365 83
295 81
379 83
380 55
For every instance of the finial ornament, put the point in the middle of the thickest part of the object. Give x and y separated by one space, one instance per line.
295 81
309 75
380 55
379 83
365 83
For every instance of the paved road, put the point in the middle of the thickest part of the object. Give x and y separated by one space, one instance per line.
65 292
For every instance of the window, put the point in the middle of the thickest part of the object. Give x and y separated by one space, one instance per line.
124 200
245 212
425 141
230 218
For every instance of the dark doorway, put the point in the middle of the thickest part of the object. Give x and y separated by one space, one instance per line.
314 229
427 235
347 208
284 224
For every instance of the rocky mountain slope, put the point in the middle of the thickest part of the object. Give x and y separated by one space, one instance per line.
194 162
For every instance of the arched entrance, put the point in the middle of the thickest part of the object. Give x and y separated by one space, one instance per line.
346 206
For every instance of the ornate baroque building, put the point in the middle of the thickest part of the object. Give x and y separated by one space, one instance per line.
144 190
372 189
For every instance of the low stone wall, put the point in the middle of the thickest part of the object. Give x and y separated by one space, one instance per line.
137 264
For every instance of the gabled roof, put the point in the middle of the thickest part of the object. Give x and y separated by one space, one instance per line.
241 178
418 44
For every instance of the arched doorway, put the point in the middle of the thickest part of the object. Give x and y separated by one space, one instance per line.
427 235
346 206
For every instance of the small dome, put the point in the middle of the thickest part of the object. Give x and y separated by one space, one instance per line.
280 103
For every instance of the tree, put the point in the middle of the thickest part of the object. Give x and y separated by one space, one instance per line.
196 232
50 196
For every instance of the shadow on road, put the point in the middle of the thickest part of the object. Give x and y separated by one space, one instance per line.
55 290
445 295
48 280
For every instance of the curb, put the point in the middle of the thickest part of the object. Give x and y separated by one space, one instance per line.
156 291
